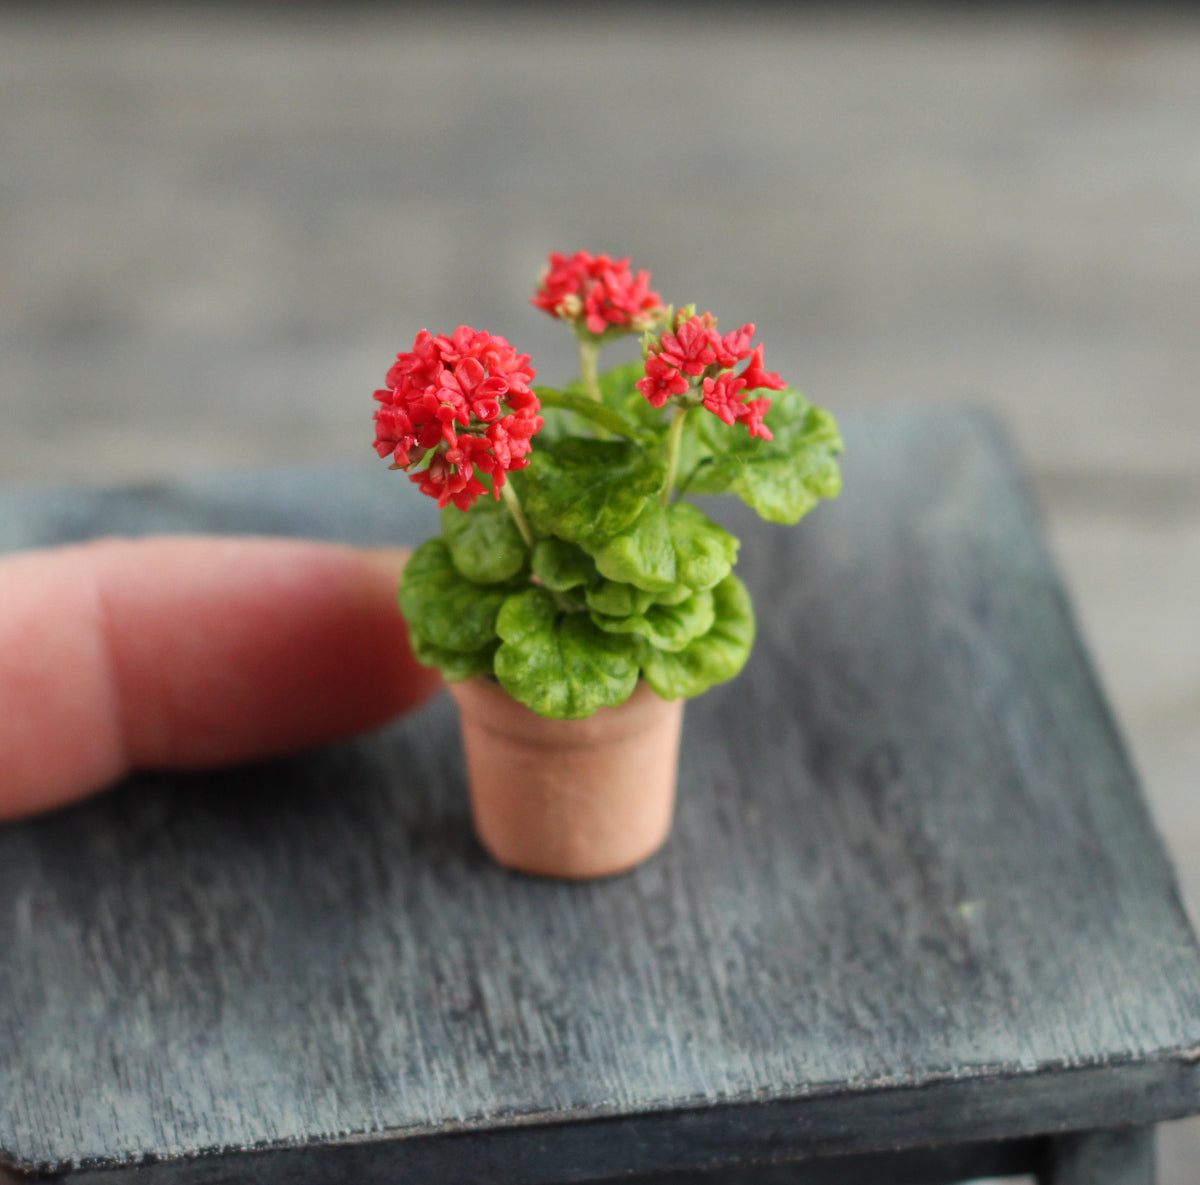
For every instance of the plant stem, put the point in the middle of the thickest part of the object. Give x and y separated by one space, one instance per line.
589 352
514 508
674 439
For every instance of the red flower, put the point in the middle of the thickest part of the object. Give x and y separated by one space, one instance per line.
602 293
722 396
662 381
756 378
468 398
735 347
696 350
695 345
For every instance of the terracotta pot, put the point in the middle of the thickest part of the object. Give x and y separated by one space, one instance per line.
569 798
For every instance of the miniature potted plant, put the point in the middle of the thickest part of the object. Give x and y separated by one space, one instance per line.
575 598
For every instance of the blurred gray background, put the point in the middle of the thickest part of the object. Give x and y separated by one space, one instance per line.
218 224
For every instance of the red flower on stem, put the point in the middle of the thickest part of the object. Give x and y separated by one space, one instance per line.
598 291
467 399
695 350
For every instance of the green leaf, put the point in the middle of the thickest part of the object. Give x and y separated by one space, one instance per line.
673 595
444 608
704 552
556 425
615 599
485 543
561 665
781 479
666 548
711 658
455 667
561 565
669 627
583 405
588 490
643 554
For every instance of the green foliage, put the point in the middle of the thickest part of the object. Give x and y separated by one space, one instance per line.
643 554
444 608
600 415
588 490
781 479
713 657
704 552
615 599
667 627
672 596
668 547
485 543
562 566
560 664
618 391
623 580
557 424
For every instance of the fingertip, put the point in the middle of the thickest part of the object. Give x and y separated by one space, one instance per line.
408 683
190 653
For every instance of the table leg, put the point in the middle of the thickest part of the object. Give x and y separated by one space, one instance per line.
1124 1156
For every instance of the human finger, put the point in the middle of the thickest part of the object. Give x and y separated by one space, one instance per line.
191 652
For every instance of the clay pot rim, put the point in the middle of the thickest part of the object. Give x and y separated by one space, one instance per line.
496 712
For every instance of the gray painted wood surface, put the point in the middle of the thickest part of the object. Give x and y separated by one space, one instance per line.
913 895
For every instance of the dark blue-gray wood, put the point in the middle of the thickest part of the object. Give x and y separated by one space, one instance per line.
1122 1157
913 897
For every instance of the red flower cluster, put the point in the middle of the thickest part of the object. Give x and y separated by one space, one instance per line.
600 292
695 350
467 398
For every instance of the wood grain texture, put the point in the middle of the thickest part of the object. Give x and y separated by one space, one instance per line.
913 895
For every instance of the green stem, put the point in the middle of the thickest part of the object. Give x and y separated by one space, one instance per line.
589 353
674 439
514 508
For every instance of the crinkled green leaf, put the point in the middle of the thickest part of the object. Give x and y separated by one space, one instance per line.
455 667
485 543
782 479
443 607
673 595
643 554
666 548
704 552
711 658
618 600
669 627
561 565
560 664
588 490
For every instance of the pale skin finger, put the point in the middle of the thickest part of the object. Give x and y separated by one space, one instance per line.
186 653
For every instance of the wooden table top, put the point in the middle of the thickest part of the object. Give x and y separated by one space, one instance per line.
913 894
